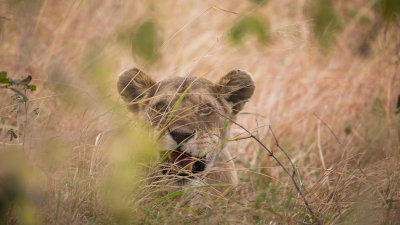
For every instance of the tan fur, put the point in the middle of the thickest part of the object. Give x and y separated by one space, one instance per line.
198 123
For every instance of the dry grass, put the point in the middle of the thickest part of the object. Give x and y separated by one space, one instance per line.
333 111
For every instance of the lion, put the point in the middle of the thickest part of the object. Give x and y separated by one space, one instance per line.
191 114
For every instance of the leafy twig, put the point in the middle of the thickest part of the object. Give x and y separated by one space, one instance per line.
25 98
9 82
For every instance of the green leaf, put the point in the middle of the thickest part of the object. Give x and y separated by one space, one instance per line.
260 2
145 41
3 77
398 102
250 25
3 74
327 22
389 9
32 87
4 81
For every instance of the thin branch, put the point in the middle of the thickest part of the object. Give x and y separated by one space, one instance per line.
5 18
329 128
284 152
25 98
271 154
241 138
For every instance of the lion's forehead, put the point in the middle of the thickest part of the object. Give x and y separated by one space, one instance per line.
198 92
180 84
195 98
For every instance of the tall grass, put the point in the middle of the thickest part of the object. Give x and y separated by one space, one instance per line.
330 92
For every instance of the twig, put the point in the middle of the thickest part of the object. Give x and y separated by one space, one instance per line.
5 18
271 154
241 138
330 129
25 98
284 152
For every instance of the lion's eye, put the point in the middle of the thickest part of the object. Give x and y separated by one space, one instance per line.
206 110
160 106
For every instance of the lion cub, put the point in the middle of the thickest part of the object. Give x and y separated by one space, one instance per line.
191 114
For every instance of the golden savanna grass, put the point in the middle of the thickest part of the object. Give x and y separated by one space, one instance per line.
81 158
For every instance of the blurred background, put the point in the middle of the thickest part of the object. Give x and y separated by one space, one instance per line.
327 81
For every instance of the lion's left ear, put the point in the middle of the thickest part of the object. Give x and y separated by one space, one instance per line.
133 85
237 87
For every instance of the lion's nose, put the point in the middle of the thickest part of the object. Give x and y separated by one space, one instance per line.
181 135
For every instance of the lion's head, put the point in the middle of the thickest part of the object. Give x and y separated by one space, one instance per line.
191 114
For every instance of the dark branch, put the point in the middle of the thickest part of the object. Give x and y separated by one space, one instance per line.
280 164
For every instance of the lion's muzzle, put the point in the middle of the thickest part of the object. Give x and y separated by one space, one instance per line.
184 164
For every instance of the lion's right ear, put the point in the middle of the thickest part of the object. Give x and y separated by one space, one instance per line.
134 85
236 87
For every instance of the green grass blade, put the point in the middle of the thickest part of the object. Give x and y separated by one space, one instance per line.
181 98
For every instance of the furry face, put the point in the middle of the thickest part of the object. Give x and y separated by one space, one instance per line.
190 114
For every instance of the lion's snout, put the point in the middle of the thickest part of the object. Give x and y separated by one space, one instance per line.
181 161
181 135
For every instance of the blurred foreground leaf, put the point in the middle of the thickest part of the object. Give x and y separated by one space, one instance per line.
389 9
21 186
3 77
62 83
326 22
260 2
250 25
99 67
145 41
131 149
32 87
20 3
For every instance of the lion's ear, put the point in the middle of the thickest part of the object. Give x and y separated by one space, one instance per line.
134 85
237 87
